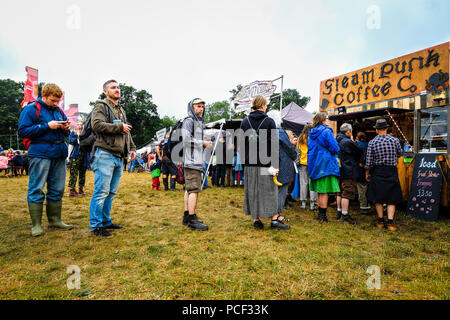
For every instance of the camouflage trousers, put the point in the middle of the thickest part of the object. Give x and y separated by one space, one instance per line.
77 170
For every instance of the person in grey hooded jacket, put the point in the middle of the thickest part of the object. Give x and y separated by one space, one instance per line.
193 163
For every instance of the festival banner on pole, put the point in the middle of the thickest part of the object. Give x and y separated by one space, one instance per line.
61 104
244 98
30 89
72 115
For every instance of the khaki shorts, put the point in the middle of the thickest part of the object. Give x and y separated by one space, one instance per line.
348 189
193 180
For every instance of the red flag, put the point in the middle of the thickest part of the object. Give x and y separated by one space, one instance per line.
30 89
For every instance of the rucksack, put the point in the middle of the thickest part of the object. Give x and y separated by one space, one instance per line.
37 106
254 135
172 141
87 136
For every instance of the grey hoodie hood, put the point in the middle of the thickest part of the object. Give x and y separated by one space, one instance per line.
191 112
193 140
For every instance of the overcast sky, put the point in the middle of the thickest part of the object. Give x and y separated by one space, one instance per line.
179 50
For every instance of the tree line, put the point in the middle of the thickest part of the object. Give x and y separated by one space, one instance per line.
142 112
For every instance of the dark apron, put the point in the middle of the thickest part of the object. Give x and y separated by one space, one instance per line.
384 186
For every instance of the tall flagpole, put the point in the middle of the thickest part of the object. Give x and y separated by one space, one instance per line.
281 100
281 94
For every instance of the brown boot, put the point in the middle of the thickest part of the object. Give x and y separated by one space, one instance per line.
81 191
73 193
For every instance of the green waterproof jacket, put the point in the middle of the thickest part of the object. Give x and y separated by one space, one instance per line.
109 135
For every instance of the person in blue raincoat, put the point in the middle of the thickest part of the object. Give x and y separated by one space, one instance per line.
323 167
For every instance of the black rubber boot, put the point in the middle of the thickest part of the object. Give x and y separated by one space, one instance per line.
172 184
195 224
166 183
319 214
323 215
186 220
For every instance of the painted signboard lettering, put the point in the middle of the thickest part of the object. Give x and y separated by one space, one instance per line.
408 75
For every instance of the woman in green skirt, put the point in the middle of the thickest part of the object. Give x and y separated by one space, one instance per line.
323 167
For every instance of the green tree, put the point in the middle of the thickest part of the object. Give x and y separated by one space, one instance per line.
167 122
11 95
217 110
234 93
141 113
40 86
289 95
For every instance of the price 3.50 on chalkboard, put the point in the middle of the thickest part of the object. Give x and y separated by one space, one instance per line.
425 191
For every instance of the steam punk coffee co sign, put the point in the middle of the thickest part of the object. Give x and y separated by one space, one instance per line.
405 76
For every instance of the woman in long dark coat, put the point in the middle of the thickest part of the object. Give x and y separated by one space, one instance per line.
261 193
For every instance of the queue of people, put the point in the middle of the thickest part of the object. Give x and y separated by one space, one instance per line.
324 164
341 166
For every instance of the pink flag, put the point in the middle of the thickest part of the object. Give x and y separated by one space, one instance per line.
30 90
62 102
72 115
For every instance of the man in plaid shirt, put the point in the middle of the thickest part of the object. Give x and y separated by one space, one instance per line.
384 150
381 172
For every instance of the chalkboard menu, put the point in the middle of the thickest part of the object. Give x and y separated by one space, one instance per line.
425 193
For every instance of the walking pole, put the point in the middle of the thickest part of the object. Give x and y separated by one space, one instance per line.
212 154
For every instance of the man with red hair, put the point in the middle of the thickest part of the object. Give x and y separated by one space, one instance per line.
46 126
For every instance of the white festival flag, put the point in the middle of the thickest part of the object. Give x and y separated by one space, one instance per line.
244 98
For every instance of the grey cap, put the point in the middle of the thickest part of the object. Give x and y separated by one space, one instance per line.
198 100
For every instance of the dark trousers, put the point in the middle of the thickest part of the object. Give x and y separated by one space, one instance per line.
214 175
220 176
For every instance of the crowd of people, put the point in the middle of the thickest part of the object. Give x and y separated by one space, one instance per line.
14 163
346 166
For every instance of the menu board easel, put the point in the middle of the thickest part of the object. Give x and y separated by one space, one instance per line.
424 197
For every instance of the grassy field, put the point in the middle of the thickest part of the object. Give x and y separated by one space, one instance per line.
156 257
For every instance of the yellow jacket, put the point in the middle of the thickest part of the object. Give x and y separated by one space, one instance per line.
303 152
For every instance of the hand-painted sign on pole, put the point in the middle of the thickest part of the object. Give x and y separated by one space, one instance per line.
30 90
160 135
244 98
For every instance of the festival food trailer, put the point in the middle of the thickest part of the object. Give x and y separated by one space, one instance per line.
412 93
